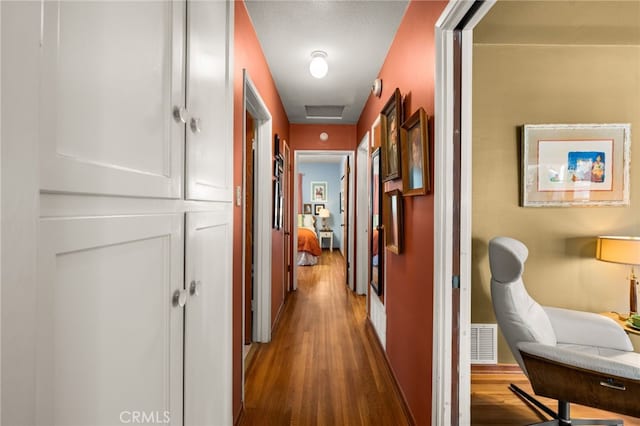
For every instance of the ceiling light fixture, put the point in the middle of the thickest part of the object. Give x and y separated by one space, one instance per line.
318 66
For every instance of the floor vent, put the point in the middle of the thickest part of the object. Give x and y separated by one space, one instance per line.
484 343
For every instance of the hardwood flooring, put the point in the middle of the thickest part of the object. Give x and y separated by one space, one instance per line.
323 365
492 403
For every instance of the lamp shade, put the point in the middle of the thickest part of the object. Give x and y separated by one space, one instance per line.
324 213
619 250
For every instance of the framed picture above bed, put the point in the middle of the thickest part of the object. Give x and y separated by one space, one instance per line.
306 209
319 192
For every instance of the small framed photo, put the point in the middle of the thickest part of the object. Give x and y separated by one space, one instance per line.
391 119
393 218
317 208
416 179
306 208
319 191
566 165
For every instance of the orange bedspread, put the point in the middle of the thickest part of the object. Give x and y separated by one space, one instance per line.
307 241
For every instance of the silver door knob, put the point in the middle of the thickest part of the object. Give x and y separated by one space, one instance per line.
179 298
194 123
179 114
195 288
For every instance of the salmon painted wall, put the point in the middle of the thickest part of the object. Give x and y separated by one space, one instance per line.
307 136
248 55
410 66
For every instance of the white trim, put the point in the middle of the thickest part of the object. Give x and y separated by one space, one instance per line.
362 211
443 212
297 154
253 103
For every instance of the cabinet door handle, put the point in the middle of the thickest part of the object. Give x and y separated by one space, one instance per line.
195 288
179 298
195 125
179 114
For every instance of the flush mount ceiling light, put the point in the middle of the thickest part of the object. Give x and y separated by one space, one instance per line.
318 66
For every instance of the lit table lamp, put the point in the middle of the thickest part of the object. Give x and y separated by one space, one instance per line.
324 214
624 250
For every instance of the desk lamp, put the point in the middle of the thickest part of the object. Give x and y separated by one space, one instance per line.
624 250
324 214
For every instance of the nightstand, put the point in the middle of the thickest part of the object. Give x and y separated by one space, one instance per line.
326 234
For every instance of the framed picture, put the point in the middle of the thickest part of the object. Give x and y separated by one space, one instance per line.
575 165
278 193
317 208
306 208
392 213
391 119
376 231
416 179
319 191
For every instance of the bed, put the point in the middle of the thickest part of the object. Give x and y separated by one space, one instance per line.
308 245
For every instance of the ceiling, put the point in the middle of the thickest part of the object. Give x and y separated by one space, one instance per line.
355 34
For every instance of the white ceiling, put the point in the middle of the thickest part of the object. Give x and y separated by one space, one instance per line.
355 34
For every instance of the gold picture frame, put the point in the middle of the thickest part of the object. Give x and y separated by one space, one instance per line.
391 120
416 176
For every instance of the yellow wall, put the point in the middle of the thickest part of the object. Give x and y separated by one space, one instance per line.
515 84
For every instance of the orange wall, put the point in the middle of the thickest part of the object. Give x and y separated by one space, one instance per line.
248 55
410 66
307 136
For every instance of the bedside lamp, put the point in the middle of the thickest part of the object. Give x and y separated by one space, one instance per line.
324 214
624 250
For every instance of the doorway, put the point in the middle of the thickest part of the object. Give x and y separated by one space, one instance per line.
362 212
339 159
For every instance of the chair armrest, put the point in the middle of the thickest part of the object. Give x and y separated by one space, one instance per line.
587 328
601 364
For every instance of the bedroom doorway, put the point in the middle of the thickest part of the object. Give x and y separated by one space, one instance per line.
324 168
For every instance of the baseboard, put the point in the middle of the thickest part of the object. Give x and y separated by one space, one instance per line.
496 369
399 393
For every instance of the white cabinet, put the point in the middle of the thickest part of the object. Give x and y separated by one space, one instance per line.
209 101
111 74
109 340
208 350
125 174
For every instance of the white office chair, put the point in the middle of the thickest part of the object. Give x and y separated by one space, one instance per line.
570 356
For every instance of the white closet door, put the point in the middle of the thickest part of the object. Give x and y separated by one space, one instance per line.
109 340
210 100
208 349
112 73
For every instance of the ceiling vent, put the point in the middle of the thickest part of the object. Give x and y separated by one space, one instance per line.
324 112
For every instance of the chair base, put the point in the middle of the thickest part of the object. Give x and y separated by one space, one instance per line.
562 417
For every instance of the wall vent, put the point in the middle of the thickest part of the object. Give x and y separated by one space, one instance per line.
484 343
333 112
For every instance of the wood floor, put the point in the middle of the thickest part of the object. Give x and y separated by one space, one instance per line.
492 403
323 366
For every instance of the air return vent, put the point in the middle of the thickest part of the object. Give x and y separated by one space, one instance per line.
326 112
484 343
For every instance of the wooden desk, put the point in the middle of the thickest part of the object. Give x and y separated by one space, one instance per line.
623 323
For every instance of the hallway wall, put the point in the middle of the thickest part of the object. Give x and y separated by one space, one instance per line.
249 55
307 136
410 66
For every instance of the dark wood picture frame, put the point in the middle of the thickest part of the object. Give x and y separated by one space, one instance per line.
306 208
391 121
317 208
416 176
278 193
393 221
376 230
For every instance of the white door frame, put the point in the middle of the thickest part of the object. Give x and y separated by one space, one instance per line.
450 19
362 212
297 154
253 103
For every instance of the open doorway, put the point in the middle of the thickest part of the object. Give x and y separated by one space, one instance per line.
326 170
362 212
256 216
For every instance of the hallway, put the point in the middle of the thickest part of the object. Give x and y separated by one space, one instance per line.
323 365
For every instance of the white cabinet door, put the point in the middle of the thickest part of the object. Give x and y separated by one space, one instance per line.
109 340
208 349
210 100
112 72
